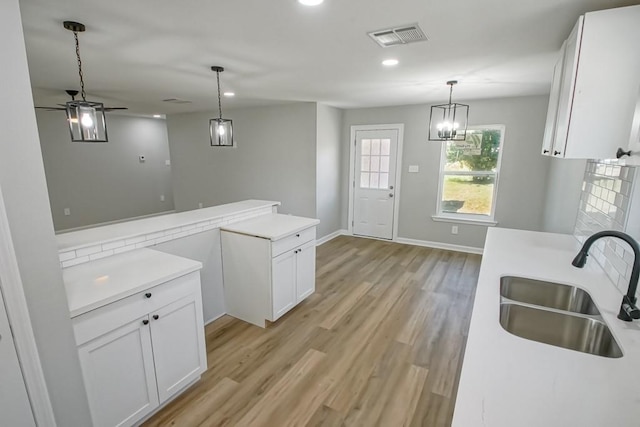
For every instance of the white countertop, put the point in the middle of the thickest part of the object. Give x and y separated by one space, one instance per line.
508 381
97 283
128 229
273 227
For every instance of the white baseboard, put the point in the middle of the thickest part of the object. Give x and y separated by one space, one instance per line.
333 235
214 319
438 245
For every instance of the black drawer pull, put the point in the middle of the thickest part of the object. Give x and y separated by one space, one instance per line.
145 322
148 295
156 317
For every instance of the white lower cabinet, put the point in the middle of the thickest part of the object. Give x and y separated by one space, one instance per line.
139 352
268 266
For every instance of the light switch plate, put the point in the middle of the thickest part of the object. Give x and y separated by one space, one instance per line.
414 168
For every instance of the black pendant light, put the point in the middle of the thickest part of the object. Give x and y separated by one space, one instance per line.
221 130
448 122
87 122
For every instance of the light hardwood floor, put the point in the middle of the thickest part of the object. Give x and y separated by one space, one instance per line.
380 343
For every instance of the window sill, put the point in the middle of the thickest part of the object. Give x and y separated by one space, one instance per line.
458 220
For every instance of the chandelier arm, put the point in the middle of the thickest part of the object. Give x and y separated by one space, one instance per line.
82 92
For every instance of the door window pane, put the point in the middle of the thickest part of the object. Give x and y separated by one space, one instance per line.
385 147
364 180
366 146
375 147
364 164
384 164
375 163
374 180
384 181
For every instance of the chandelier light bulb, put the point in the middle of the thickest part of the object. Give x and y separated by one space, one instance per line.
221 130
86 120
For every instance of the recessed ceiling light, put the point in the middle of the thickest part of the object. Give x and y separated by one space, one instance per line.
229 94
310 2
390 62
157 116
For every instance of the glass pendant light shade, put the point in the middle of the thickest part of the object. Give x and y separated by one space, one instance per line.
87 122
221 131
448 122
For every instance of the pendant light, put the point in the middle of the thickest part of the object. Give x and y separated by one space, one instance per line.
87 122
220 130
448 122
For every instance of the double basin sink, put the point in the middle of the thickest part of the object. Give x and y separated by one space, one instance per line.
556 314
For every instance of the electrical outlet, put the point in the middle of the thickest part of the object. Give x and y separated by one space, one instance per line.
67 211
200 205
454 229
162 197
414 168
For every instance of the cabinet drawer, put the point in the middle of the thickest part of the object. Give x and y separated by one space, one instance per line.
104 319
287 243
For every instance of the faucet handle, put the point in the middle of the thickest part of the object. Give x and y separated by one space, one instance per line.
628 310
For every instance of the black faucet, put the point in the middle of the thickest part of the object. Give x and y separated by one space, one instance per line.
628 309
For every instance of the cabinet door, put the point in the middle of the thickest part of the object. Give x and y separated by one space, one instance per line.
119 375
305 271
552 110
283 293
177 334
567 84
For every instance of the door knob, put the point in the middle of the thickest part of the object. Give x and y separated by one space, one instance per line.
391 187
390 194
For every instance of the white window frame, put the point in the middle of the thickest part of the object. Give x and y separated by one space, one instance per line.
466 218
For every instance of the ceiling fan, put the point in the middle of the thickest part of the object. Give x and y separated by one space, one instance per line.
73 93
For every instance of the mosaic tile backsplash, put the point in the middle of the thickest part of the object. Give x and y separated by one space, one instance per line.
604 205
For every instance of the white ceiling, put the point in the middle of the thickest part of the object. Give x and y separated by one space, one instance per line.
137 52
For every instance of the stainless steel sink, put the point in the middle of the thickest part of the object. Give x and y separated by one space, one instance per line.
581 333
547 294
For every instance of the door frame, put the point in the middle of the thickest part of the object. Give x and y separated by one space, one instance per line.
399 127
20 323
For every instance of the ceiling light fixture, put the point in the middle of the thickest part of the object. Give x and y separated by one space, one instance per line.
157 116
448 122
220 130
390 62
310 2
229 94
87 122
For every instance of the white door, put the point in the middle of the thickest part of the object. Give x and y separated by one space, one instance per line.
178 346
305 271
283 294
15 409
374 184
119 375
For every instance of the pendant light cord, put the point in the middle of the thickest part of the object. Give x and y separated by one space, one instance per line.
219 100
450 91
82 92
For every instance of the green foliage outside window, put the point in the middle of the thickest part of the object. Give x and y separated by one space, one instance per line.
479 152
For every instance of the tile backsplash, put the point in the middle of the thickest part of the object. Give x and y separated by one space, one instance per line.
604 205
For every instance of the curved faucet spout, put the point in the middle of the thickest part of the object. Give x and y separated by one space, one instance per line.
628 309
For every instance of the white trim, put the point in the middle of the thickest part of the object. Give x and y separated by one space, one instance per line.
399 127
438 245
214 319
464 220
331 236
18 314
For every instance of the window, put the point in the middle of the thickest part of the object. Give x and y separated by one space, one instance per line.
374 163
469 173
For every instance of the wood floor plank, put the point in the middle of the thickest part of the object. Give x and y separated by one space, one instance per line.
379 343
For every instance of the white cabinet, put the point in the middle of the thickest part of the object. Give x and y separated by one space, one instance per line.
593 98
138 352
268 265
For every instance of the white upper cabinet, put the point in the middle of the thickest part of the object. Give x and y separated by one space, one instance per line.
595 87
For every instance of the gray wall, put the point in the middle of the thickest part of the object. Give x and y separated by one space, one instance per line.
562 198
23 184
105 182
274 158
329 177
523 176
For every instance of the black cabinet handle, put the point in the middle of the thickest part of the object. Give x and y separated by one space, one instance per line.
545 151
555 153
298 235
148 295
156 317
145 322
621 153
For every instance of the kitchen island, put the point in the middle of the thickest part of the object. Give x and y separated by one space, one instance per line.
509 381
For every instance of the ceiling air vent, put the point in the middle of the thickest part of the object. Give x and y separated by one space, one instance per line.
398 35
176 101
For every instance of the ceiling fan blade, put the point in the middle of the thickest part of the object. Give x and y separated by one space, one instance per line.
115 108
51 108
